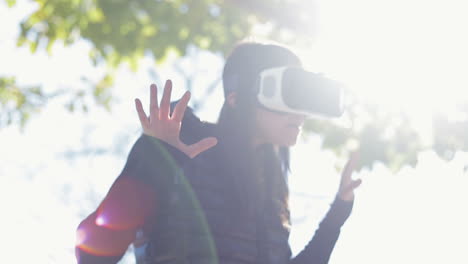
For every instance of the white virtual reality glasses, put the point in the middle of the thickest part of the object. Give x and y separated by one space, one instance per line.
294 90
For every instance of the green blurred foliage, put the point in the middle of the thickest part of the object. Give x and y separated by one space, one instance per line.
125 31
451 133
376 135
17 104
119 32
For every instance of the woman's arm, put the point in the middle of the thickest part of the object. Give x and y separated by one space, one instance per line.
99 244
319 249
104 236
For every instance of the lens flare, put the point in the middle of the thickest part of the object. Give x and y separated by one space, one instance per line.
127 205
101 241
100 221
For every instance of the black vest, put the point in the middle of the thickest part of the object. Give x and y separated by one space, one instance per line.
198 223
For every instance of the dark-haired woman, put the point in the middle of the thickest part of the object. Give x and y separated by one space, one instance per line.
195 192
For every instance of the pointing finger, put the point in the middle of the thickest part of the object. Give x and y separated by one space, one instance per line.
351 164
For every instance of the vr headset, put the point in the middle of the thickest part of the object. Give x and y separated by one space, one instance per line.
294 90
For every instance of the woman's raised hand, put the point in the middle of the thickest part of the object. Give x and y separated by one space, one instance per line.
347 184
165 126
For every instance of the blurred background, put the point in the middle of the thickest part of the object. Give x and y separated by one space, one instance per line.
70 70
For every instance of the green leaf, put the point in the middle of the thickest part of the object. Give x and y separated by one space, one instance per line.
11 3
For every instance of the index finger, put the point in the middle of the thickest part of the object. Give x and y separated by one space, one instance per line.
351 164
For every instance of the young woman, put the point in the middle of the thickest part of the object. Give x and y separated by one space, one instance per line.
196 192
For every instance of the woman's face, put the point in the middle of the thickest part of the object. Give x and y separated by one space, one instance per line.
276 128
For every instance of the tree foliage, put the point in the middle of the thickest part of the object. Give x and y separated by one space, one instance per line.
379 136
125 31
450 134
17 104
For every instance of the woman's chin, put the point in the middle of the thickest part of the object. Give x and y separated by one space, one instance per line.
289 141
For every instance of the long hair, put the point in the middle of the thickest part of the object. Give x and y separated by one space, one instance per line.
267 166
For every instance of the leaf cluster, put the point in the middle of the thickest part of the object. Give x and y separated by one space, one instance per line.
124 31
121 31
17 104
378 136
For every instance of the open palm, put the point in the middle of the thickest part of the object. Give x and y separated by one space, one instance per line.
165 126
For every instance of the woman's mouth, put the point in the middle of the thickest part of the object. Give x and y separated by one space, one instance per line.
294 128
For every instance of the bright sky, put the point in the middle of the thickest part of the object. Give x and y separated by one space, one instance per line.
387 49
399 50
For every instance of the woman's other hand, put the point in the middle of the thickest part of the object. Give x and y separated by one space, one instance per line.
165 126
347 184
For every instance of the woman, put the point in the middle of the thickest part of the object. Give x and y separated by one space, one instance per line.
211 193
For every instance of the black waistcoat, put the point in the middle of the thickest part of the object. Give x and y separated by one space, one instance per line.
198 221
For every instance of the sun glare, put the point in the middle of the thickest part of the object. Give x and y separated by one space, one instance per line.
407 56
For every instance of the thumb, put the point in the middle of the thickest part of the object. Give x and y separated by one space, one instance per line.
201 146
347 192
354 184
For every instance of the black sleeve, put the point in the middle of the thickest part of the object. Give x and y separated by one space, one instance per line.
319 249
150 155
85 258
151 161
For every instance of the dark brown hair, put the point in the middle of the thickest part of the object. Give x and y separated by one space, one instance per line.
250 167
